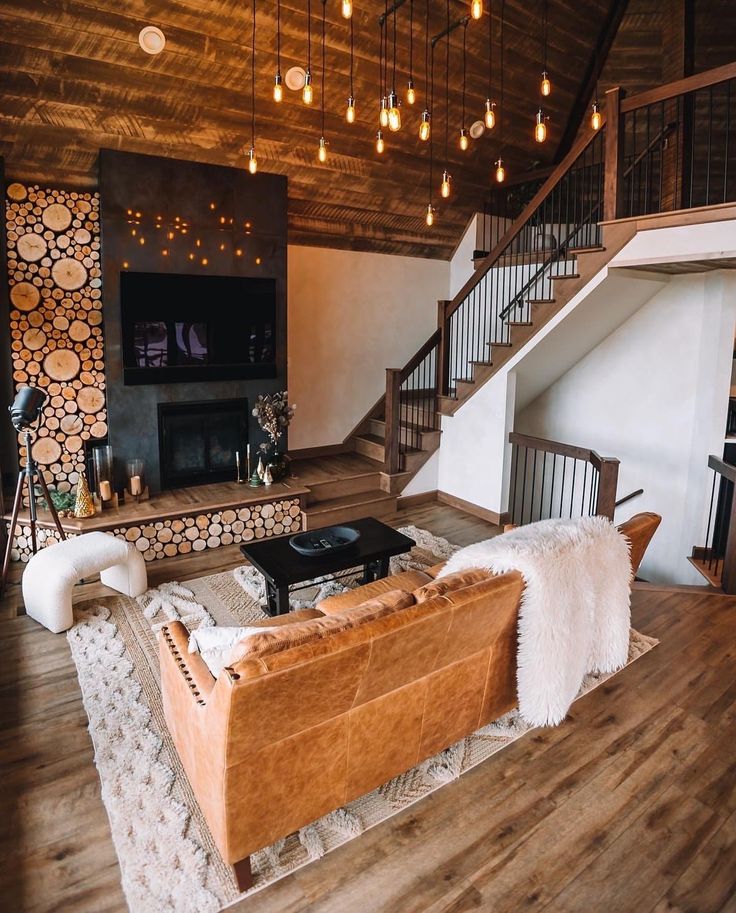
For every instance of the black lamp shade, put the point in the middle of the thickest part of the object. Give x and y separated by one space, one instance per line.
26 407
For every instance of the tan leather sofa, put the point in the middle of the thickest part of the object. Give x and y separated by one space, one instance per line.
342 698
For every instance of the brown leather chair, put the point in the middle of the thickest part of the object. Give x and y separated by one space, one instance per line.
341 700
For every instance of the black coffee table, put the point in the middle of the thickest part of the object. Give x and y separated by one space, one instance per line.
283 567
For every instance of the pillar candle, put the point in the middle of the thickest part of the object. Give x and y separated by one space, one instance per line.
135 485
105 490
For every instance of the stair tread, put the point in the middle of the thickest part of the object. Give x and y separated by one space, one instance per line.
541 300
566 276
370 496
595 249
521 323
372 438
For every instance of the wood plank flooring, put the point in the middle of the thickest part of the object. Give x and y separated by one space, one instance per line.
630 805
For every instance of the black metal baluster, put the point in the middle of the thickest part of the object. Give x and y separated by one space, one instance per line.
710 146
534 483
523 487
572 489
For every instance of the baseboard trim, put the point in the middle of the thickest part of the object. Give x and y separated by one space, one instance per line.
424 497
310 453
490 516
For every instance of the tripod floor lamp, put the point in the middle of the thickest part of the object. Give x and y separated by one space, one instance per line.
25 413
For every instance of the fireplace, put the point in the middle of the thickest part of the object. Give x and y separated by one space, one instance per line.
198 441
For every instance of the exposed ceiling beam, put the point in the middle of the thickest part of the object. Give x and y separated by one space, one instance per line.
592 74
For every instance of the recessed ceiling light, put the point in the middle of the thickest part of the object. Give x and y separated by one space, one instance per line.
295 78
152 40
477 129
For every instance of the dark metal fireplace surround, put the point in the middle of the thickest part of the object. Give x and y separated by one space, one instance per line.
198 441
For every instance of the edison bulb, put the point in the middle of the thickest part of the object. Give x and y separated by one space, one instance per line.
278 89
490 115
252 160
350 111
445 185
322 153
476 9
308 90
540 128
411 92
464 143
380 143
346 8
595 118
383 113
546 86
429 218
424 127
500 172
394 115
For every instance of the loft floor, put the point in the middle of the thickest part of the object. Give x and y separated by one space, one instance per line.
630 805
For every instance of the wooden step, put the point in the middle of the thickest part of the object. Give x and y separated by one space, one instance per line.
374 503
371 446
581 251
426 437
339 487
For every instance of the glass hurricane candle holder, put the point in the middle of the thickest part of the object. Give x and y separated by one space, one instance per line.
103 467
136 479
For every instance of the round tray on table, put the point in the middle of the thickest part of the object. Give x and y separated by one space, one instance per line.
321 542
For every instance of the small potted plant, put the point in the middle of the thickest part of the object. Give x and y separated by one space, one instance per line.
274 415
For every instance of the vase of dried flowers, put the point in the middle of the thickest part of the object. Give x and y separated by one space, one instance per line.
274 415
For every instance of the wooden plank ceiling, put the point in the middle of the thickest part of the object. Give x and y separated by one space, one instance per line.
74 80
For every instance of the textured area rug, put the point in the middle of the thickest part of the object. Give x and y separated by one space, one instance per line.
167 858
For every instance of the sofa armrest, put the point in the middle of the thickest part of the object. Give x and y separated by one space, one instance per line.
174 653
276 621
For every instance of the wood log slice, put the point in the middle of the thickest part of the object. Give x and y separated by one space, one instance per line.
25 296
34 339
57 217
71 424
62 364
31 247
98 430
46 450
17 192
69 274
79 331
90 400
73 443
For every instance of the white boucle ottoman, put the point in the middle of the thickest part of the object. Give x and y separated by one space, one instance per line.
50 575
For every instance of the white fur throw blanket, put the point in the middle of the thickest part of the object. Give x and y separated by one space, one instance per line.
575 614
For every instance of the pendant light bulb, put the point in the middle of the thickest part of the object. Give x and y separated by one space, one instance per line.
411 92
464 142
394 115
445 185
500 172
595 118
476 9
252 160
490 115
322 153
540 128
383 113
546 86
350 111
278 88
429 218
424 127
308 90
380 142
346 8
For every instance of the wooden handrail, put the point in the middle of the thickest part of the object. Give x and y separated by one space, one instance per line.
680 87
539 197
723 469
629 497
417 359
548 446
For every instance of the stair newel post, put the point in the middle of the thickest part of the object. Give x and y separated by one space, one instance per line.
607 484
393 420
613 185
443 350
728 574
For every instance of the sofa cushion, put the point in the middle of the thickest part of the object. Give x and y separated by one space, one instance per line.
407 582
265 643
450 583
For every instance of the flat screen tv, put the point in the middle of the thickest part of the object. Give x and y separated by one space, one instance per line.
180 329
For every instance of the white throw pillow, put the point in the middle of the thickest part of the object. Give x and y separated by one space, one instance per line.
215 644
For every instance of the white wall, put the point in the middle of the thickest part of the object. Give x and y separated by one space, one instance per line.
654 393
351 316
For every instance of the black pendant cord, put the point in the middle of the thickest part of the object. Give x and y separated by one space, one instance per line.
503 110
426 57
253 81
322 80
309 36
352 55
465 33
447 83
411 41
381 93
431 133
545 14
490 49
385 51
393 74
278 37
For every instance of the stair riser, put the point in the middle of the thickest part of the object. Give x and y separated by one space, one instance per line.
370 449
379 509
337 488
